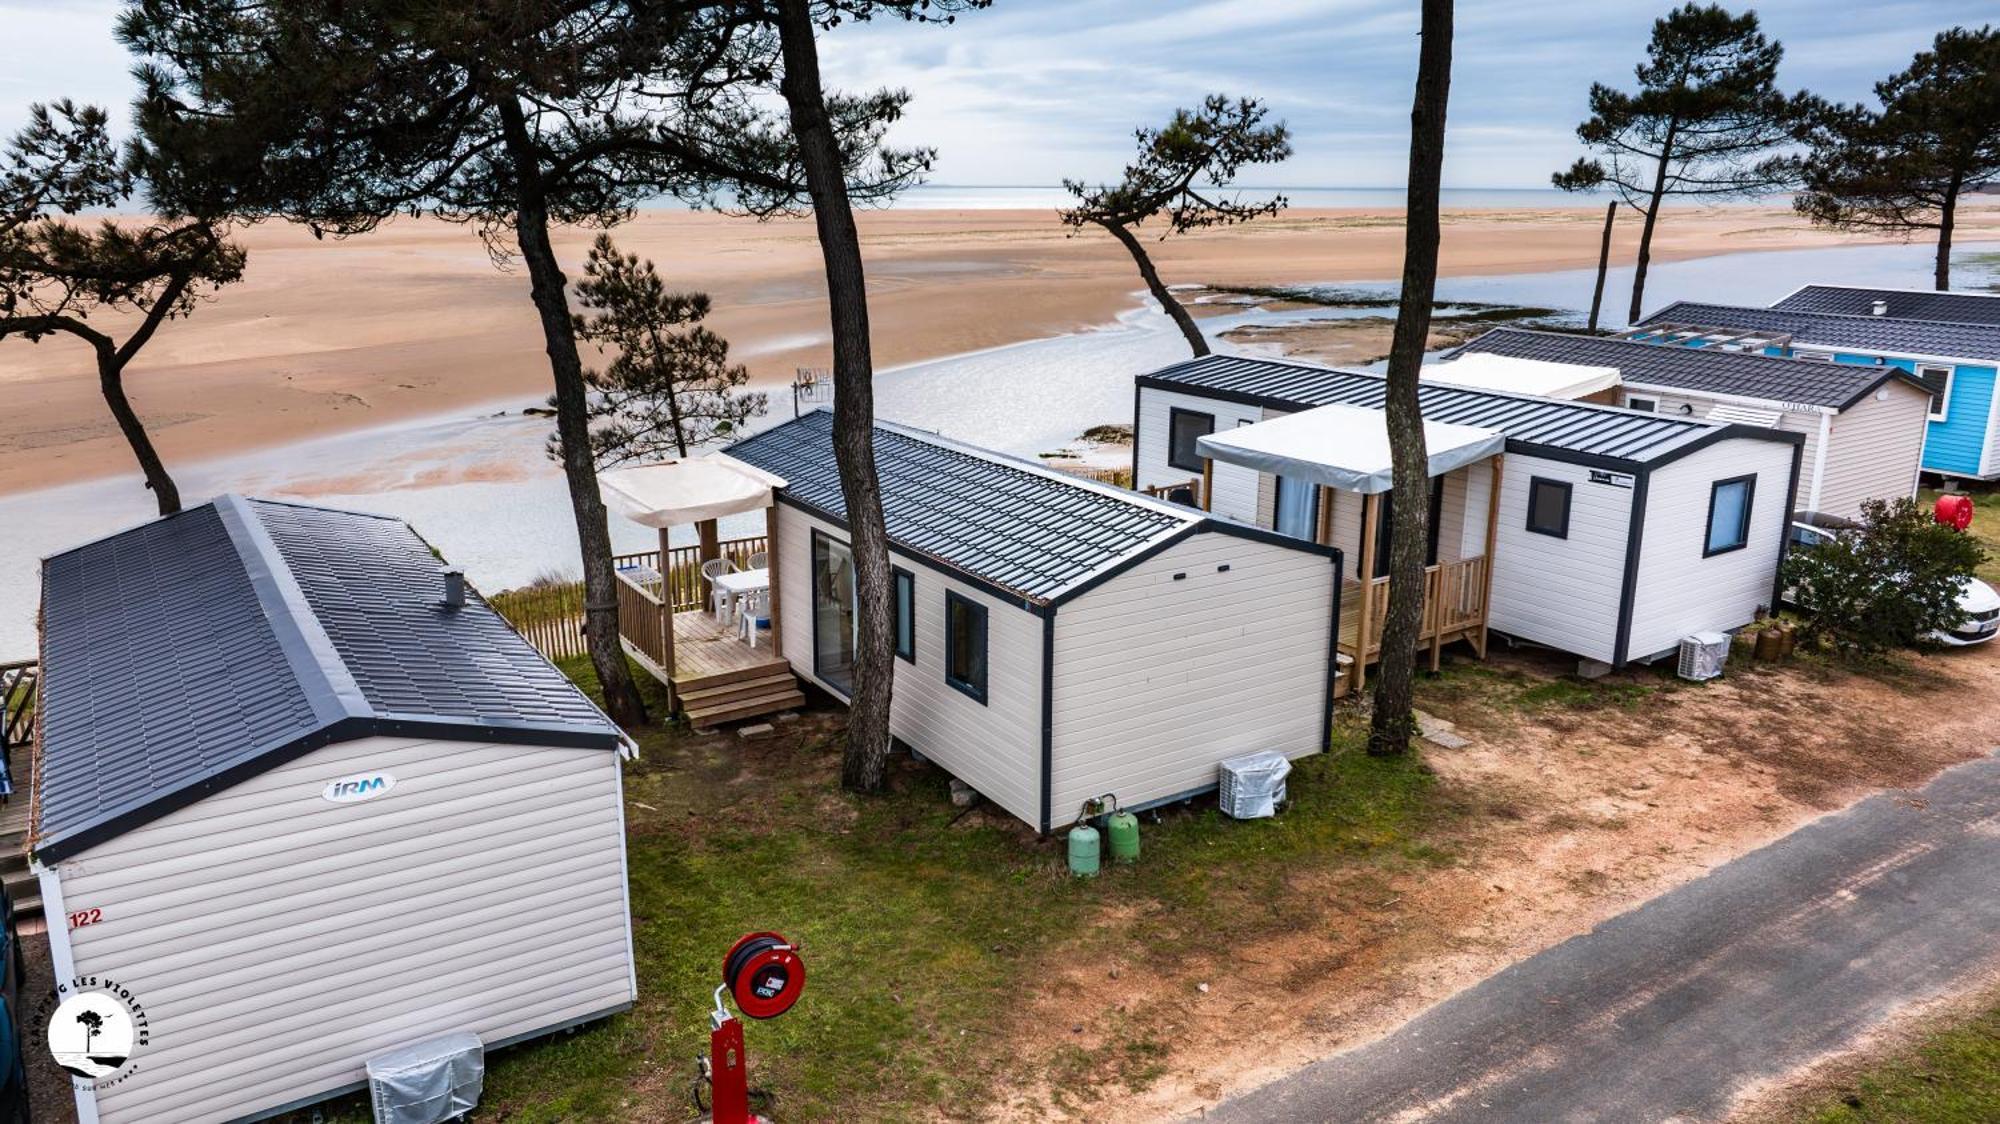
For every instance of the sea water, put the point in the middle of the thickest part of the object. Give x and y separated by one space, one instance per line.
479 487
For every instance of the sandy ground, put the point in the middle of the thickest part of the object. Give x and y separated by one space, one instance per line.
415 320
1573 816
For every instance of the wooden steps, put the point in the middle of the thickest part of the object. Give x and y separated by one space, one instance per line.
733 697
756 706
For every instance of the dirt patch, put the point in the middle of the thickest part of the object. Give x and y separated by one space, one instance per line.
1579 801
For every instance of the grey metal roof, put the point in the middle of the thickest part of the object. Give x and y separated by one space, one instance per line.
194 651
1904 304
1936 338
1547 426
1019 527
1698 369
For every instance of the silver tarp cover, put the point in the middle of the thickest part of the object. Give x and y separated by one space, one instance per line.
428 1082
1341 446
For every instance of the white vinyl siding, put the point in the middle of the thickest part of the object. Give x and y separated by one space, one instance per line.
1874 450
1560 592
1157 679
995 748
278 940
1235 486
1680 592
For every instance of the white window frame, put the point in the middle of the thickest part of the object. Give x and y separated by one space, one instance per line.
1942 403
1652 402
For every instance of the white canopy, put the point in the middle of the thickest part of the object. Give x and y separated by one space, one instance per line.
1479 370
687 491
1345 447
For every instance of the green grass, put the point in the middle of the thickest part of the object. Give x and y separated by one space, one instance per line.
926 933
1950 1077
1985 527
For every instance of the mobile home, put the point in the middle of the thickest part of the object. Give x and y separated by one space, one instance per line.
1057 639
1863 427
1612 534
1955 361
1903 304
305 799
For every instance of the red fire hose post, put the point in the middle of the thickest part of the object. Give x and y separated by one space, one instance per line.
764 974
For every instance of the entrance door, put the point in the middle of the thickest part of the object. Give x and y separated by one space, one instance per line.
1297 509
834 618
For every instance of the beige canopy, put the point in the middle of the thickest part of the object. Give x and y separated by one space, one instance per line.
694 490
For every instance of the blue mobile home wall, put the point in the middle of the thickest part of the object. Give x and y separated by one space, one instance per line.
1954 445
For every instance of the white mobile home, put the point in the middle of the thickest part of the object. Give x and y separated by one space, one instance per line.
1612 533
1863 427
304 800
1057 639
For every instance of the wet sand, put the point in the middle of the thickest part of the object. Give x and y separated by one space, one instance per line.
414 320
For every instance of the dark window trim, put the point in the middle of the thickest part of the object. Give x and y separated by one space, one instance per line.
1749 505
974 691
1387 516
898 575
1173 426
1569 498
812 605
1278 504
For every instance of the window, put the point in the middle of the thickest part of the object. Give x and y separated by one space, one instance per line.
1548 506
1729 515
906 614
835 622
1649 405
1184 428
965 645
1297 509
1387 519
1938 380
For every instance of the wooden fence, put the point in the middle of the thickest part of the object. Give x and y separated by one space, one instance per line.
550 615
19 681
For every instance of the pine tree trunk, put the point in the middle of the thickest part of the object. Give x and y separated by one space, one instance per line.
1603 264
547 284
111 381
1947 218
1646 229
864 764
1196 341
1409 533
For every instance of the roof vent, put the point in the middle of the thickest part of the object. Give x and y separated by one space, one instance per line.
454 586
1880 308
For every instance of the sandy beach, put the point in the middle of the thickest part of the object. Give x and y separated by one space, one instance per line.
414 320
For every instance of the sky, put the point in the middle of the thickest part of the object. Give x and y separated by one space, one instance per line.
1030 91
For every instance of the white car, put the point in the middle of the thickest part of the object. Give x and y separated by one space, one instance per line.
1979 602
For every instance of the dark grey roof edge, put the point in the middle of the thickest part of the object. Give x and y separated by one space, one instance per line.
1949 325
138 812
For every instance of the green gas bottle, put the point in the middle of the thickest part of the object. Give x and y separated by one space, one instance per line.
1083 851
1123 829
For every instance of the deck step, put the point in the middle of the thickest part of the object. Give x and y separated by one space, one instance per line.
711 694
755 706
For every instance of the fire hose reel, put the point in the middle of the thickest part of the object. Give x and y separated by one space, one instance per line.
764 975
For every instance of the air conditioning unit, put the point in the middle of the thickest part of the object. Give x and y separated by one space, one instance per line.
428 1082
1703 654
1253 785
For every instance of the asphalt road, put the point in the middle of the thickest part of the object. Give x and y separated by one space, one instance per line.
1666 1012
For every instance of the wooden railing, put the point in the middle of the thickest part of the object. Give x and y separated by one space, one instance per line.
19 681
1454 608
550 615
1162 491
643 621
682 573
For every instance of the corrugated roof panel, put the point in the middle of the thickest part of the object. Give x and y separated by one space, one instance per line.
1939 338
1017 526
1576 427
1705 370
1904 304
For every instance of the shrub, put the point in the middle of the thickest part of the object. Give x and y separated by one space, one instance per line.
1886 583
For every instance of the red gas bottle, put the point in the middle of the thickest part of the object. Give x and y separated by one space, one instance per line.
1954 511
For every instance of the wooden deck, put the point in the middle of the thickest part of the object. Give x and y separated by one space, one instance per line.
716 677
1454 609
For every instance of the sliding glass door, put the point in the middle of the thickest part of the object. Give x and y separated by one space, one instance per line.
1297 509
834 619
